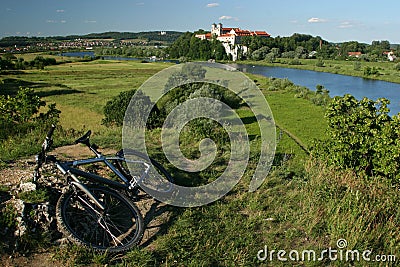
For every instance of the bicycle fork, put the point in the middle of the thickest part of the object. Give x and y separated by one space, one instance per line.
79 185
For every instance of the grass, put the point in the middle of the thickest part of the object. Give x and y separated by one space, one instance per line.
301 204
84 87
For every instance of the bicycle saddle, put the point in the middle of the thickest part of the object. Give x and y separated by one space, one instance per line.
84 139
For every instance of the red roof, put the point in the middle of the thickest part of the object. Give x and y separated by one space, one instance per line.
262 33
240 32
226 35
354 53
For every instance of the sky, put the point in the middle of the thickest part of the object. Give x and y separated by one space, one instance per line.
335 21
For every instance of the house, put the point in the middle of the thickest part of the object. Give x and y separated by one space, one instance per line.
390 55
354 54
231 38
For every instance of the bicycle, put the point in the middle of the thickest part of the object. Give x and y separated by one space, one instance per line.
97 212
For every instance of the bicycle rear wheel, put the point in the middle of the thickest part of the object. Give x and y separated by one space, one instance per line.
132 166
116 229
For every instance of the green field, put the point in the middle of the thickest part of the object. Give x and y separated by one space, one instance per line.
301 205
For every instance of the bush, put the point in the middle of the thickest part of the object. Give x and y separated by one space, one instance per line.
19 114
370 71
320 63
116 108
295 61
362 137
357 65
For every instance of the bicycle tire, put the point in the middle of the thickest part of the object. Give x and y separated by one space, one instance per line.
117 229
127 172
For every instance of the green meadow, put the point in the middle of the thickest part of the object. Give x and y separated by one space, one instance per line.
302 204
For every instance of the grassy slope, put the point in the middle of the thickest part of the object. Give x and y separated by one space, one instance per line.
295 208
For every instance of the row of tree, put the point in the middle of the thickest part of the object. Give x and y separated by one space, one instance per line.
306 46
11 62
133 51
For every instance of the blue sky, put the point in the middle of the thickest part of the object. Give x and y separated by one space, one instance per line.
335 21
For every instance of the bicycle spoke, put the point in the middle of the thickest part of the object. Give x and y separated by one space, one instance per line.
118 227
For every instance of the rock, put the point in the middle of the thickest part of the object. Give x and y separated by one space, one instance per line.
27 187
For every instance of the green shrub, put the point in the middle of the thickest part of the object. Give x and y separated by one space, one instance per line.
295 61
117 107
20 114
357 65
22 125
7 217
320 63
370 71
362 137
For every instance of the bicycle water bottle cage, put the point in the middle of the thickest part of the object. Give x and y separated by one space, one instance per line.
84 139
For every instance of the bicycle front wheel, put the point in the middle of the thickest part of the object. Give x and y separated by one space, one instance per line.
115 229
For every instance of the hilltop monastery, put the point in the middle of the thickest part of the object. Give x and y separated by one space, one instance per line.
231 38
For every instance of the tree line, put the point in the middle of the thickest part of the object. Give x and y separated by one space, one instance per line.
168 37
11 62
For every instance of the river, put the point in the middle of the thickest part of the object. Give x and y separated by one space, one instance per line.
338 85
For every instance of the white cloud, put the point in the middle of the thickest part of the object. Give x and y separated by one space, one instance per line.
316 20
60 10
228 18
63 21
212 5
140 4
346 24
51 21
90 21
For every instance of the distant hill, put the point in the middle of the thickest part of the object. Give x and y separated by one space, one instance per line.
152 36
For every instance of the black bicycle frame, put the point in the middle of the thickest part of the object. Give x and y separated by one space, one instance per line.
68 168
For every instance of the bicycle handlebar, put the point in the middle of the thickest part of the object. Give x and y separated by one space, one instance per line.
50 132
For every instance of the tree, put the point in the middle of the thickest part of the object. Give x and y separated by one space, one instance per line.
276 52
260 53
300 52
117 110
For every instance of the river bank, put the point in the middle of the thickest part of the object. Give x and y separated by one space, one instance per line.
386 71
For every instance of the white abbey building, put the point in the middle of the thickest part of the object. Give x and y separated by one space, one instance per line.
231 38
